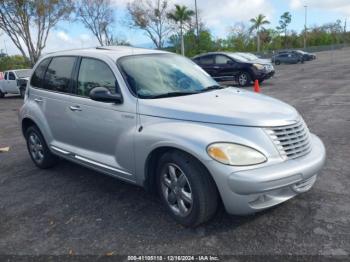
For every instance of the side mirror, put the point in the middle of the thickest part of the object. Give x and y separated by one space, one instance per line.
229 62
102 94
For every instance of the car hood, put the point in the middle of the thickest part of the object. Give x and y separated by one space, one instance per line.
229 106
260 61
24 78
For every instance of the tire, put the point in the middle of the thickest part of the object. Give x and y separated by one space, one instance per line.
243 79
182 181
2 95
38 149
277 62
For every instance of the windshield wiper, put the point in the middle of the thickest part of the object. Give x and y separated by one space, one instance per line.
213 87
172 94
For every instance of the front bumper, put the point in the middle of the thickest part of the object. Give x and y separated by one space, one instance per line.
266 75
249 191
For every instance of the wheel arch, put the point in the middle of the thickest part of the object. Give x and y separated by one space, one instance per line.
26 123
150 167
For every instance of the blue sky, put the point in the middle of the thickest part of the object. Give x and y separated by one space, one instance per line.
219 16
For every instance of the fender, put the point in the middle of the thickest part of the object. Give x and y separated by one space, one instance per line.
38 118
193 138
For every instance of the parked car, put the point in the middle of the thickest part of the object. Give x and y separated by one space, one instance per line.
14 82
287 58
306 56
225 66
157 120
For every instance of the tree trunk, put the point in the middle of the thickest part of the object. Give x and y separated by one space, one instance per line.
258 41
182 41
285 38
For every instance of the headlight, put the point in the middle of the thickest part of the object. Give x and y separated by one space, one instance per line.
258 66
234 154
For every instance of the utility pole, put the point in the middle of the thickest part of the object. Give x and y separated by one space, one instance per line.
305 28
197 26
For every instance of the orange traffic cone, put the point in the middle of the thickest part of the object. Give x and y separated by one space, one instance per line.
256 86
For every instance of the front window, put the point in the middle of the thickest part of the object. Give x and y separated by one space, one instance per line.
23 73
94 73
159 75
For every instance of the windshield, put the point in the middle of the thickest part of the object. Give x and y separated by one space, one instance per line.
238 57
23 73
248 56
156 75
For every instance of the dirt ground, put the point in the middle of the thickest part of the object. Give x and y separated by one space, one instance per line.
73 210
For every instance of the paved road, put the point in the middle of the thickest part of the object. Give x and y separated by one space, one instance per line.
70 209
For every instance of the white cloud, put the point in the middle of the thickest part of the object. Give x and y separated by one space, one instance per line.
57 40
219 14
63 36
340 6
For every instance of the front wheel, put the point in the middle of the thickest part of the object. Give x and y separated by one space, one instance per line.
186 189
244 79
2 95
277 62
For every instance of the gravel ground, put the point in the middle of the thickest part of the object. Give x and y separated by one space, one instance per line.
73 210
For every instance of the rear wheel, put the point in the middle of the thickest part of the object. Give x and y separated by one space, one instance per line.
186 189
2 95
277 62
38 150
244 79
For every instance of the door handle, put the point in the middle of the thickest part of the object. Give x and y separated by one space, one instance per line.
75 108
216 67
38 100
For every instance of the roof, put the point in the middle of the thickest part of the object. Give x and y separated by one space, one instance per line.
113 52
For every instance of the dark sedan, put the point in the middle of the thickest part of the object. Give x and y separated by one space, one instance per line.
225 66
287 58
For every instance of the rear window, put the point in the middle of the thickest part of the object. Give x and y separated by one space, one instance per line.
207 60
38 75
59 74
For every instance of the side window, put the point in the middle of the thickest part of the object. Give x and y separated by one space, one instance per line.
6 75
58 74
11 76
94 73
38 75
207 60
222 60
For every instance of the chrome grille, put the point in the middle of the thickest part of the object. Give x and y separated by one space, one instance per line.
292 141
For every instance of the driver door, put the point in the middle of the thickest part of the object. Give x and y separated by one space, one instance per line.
103 132
11 83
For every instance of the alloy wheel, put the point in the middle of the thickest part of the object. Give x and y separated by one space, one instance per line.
242 79
36 147
176 190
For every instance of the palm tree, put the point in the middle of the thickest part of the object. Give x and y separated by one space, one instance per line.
258 23
181 15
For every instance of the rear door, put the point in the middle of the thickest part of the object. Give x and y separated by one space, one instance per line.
226 68
51 93
207 62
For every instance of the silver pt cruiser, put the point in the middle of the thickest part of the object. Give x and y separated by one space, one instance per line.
157 120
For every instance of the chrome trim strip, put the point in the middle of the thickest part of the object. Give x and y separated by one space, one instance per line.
101 165
60 150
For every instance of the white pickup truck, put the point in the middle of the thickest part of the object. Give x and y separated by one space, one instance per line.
14 82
